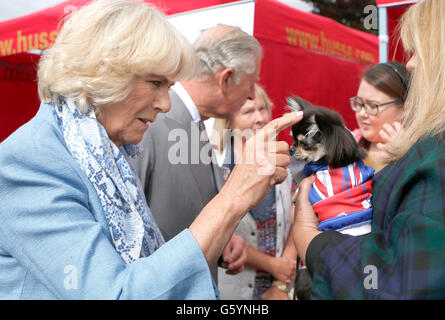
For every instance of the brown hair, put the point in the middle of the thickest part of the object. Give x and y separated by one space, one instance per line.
391 78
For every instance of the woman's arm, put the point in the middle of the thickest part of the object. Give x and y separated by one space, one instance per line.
289 249
290 254
281 268
56 232
305 220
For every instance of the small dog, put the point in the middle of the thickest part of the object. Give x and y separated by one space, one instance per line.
322 136
341 193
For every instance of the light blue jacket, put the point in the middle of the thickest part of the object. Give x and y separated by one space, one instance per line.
54 240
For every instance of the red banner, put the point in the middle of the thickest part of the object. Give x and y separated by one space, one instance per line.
394 2
396 8
19 91
311 56
39 30
395 47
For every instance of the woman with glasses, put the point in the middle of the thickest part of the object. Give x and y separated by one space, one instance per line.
378 108
404 255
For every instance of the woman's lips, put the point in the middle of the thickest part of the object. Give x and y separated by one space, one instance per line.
365 124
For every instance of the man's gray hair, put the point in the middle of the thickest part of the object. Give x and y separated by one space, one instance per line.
226 46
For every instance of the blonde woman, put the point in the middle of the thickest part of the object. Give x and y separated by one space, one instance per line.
404 256
271 257
74 220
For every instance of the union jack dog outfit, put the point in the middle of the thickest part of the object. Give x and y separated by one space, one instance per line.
341 197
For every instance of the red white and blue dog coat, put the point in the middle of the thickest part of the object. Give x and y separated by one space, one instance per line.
341 197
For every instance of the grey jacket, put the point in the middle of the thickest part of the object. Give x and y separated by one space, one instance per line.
174 169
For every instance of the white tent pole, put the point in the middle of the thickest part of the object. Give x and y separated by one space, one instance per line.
383 34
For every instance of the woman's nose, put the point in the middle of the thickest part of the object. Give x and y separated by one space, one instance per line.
362 112
259 117
163 102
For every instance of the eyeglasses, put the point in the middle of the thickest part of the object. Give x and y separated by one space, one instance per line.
371 108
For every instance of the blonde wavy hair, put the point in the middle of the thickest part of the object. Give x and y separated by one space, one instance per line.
104 46
422 31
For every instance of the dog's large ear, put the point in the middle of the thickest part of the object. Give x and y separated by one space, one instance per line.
341 147
314 128
294 105
312 119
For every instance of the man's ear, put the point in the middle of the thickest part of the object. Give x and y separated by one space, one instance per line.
223 79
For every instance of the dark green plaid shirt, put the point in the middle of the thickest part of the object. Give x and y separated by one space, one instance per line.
404 255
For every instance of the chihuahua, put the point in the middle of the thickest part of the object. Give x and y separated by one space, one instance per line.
341 192
322 136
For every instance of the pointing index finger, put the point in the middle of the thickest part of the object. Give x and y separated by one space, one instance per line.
279 124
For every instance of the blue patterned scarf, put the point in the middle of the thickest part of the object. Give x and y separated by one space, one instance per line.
131 224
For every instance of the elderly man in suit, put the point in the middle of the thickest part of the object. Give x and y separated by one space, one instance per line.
178 171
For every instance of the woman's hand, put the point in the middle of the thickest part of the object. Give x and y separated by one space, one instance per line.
305 220
235 255
283 269
263 164
388 133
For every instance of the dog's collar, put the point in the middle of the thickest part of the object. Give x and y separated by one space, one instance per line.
312 167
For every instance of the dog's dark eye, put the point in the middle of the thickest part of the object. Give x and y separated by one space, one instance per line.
317 136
